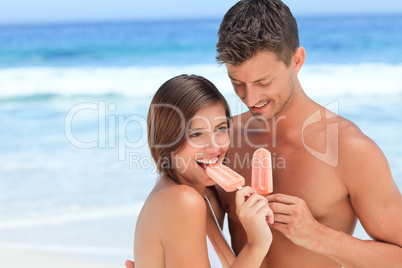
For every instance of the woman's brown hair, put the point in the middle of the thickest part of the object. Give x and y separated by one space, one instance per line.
174 104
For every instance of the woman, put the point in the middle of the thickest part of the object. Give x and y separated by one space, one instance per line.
188 128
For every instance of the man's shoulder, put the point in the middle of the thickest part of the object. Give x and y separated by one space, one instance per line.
354 144
350 134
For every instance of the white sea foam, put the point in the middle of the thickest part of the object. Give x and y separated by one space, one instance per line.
55 217
67 249
365 79
318 80
66 81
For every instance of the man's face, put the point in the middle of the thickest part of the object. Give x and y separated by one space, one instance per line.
264 84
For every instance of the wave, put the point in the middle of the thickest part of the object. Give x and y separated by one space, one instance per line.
40 219
67 249
364 79
42 83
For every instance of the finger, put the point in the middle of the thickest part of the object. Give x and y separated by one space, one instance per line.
263 211
282 198
279 227
260 204
252 205
129 264
242 193
254 198
281 218
270 216
280 208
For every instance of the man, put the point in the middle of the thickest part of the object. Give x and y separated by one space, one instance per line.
326 172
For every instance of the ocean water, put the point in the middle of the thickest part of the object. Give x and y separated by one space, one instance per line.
74 162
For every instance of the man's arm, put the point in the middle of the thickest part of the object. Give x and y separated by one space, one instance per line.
376 201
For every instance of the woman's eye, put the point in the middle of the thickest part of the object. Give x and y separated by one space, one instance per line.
223 129
194 135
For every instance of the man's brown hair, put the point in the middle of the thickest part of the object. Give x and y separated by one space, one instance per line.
252 26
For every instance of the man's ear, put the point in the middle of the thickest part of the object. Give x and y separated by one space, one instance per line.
298 59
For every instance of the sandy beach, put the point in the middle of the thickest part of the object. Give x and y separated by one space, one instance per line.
22 259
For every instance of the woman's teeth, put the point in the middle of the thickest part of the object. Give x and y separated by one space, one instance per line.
207 162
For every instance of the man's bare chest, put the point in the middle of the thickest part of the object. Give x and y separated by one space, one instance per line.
298 173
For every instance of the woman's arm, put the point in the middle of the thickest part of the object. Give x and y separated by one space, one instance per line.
182 228
253 212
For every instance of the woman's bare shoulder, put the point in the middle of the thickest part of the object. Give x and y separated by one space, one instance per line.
176 216
169 197
179 197
178 210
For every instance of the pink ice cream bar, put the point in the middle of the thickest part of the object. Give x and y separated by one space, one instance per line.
261 174
225 177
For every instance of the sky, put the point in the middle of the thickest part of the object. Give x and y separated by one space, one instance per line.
38 11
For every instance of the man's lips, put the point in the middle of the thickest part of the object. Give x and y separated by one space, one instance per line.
260 107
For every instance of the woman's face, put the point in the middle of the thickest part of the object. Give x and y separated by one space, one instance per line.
207 141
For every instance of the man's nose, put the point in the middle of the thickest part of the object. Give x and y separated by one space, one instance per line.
250 96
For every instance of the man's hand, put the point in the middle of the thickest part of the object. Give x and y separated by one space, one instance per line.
293 218
129 264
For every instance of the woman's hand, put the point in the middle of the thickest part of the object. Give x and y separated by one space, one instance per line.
129 264
254 213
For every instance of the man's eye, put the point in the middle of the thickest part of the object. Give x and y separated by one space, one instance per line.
236 84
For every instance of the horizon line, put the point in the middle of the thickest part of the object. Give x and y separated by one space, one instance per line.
173 19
